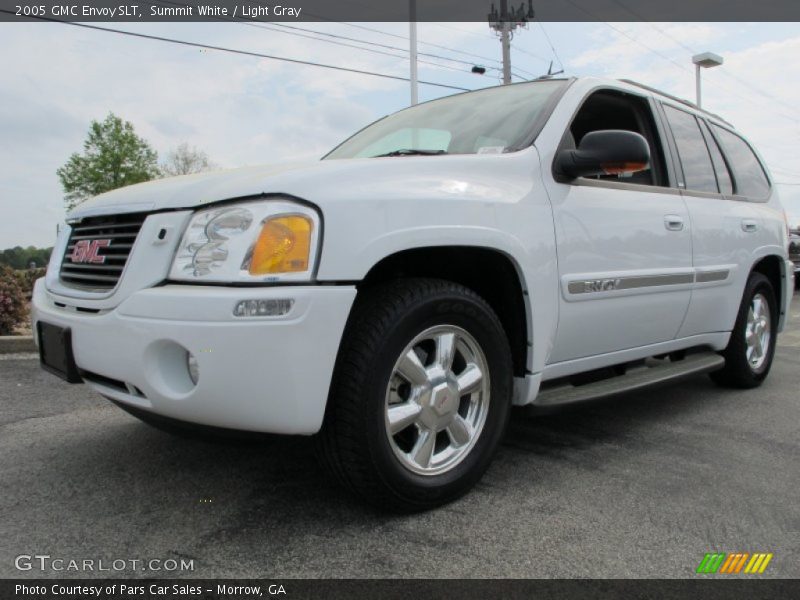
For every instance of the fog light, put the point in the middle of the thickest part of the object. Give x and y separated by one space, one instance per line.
192 366
263 308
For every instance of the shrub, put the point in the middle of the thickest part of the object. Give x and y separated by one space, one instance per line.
27 278
13 305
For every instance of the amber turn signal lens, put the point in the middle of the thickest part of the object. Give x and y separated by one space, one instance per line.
620 168
283 246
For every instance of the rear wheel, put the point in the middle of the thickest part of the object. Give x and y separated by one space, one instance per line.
748 357
420 396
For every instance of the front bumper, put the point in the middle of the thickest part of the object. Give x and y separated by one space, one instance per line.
264 374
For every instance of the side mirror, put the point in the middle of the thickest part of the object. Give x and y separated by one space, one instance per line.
606 152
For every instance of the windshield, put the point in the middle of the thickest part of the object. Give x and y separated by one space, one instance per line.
489 121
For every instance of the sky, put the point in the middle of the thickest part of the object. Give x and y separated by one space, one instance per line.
243 110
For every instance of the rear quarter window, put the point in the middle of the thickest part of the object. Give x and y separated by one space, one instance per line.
723 175
749 176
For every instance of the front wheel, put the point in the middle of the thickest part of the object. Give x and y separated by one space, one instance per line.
748 356
420 396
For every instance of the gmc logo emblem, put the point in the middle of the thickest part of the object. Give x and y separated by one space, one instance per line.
86 251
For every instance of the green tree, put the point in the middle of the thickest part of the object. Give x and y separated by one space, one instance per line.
113 157
24 258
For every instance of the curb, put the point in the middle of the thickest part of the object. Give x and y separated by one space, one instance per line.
13 344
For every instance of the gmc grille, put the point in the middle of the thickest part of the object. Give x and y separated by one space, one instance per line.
98 249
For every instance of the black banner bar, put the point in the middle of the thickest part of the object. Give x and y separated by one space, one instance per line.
397 10
708 588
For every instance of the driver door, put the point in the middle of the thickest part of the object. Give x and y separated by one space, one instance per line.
623 244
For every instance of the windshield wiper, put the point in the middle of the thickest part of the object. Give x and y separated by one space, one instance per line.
411 152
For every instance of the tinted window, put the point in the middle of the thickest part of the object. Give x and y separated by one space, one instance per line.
698 172
747 171
723 175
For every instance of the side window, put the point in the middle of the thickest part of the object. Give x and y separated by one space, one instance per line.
698 171
612 109
723 175
747 170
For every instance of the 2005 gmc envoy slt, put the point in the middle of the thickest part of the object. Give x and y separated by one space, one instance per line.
537 244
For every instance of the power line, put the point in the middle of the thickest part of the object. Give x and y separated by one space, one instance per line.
741 81
517 48
273 25
531 54
462 52
685 68
405 50
311 37
241 52
549 41
279 27
485 36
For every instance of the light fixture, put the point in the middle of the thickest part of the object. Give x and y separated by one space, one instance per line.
192 367
705 60
274 307
268 240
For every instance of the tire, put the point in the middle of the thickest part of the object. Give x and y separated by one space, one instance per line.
432 458
742 369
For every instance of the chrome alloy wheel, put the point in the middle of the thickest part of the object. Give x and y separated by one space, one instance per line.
758 332
437 400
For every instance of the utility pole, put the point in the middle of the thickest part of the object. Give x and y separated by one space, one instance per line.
412 37
505 42
504 23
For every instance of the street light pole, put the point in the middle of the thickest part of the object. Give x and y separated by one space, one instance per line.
706 60
697 87
412 37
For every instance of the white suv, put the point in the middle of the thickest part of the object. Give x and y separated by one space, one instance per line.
534 244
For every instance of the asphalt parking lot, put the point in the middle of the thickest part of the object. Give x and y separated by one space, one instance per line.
639 486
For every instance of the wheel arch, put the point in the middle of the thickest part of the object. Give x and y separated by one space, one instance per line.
489 272
773 267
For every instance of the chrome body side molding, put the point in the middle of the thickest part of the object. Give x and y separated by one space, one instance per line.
604 285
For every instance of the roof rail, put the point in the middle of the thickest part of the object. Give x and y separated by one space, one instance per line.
676 99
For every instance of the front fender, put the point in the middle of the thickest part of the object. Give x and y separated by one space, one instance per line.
353 262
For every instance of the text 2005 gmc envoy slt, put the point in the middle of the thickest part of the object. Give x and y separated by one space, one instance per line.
534 244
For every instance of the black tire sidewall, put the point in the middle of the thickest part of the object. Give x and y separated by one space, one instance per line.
471 315
757 284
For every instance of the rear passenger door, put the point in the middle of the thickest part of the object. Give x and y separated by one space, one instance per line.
725 226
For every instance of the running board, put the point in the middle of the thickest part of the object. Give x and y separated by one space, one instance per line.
654 372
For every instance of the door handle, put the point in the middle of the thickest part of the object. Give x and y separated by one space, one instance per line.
749 225
673 222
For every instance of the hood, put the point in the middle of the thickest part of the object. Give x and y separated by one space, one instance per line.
325 181
187 191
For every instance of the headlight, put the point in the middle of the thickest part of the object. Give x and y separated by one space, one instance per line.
264 240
